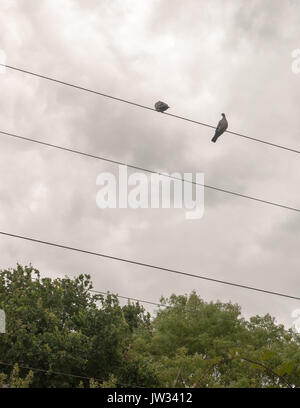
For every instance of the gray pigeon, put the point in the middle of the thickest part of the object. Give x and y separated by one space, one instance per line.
222 126
161 106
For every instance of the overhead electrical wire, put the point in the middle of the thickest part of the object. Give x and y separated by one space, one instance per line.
101 292
127 297
146 265
50 372
146 107
149 171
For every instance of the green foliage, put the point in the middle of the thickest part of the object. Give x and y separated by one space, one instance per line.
59 326
14 380
198 344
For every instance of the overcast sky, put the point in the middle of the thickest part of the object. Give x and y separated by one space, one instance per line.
202 58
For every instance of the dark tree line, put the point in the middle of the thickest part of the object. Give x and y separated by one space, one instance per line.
60 326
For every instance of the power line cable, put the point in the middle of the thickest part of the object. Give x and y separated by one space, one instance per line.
149 171
129 261
147 107
127 297
49 372
101 292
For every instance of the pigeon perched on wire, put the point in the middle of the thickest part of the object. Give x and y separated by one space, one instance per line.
222 126
161 106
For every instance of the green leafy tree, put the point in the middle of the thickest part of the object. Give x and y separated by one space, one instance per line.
197 344
59 326
14 380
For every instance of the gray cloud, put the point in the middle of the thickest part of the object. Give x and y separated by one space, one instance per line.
202 58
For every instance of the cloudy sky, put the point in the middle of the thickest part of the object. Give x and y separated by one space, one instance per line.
202 58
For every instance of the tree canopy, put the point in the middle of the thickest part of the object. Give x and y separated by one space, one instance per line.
60 334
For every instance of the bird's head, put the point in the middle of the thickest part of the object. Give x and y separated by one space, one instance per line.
223 114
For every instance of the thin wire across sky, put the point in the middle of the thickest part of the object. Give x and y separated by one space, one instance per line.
147 107
143 169
147 265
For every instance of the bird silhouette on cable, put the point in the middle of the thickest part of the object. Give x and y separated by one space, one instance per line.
220 129
161 106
